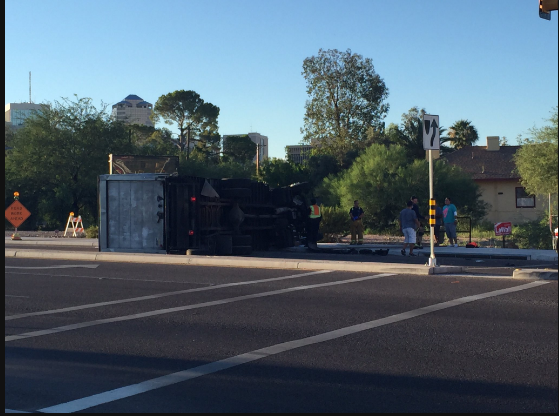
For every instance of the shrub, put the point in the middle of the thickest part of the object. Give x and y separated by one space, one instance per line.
92 232
334 224
533 234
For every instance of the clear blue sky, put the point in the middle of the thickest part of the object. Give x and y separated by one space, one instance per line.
493 62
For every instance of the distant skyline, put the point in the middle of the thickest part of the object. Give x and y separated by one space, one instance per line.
494 63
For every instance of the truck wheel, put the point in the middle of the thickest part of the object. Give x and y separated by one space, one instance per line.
224 245
242 240
242 250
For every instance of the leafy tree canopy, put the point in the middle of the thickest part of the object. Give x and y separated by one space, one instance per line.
346 98
278 172
536 161
192 115
240 149
462 133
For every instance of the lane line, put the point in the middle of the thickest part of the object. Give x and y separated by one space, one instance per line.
72 327
65 266
107 278
14 296
178 377
161 295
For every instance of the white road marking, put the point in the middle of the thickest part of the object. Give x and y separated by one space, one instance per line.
183 308
14 296
161 295
64 266
178 377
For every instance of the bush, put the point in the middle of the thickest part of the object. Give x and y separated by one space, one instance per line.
533 234
92 232
334 224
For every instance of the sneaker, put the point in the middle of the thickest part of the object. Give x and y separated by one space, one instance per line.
403 252
413 255
455 245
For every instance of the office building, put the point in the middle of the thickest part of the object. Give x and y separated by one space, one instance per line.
133 110
299 153
16 113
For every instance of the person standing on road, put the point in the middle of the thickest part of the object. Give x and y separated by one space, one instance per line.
408 224
315 216
419 230
450 221
356 215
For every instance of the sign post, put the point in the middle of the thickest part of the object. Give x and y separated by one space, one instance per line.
504 229
16 214
431 141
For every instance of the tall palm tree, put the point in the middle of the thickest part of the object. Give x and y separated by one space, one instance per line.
462 133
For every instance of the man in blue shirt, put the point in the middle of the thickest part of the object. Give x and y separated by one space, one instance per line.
450 221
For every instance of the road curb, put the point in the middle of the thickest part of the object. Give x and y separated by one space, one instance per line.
545 274
225 261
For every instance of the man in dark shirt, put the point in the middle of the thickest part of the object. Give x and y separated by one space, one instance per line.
419 230
356 226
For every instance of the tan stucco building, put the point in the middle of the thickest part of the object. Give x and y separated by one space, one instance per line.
492 167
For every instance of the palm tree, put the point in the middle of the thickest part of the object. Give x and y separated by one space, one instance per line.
462 133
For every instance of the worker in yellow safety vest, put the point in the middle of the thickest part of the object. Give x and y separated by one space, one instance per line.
315 216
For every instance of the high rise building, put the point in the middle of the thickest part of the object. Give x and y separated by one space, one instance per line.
299 153
16 113
133 110
257 138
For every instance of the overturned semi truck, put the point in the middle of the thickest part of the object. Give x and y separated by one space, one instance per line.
166 213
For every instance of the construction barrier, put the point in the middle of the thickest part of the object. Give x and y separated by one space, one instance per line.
75 223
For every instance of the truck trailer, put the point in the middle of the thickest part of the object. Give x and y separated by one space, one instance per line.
168 213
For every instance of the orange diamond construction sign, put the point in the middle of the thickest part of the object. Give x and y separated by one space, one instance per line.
17 214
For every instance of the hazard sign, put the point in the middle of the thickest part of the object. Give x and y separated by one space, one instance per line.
17 214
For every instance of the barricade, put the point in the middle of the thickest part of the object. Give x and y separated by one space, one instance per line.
75 223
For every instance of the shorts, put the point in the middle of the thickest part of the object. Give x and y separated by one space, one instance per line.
450 230
409 235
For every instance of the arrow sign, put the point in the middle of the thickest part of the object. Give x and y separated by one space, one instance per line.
431 132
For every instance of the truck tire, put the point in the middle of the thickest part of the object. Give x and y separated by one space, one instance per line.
242 250
242 240
224 245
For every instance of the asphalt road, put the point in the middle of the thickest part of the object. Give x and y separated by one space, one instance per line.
120 337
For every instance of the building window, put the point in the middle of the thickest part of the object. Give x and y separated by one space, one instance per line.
523 200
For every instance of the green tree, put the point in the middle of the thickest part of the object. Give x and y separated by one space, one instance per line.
278 172
410 134
240 149
462 133
383 181
346 98
57 157
536 161
150 141
191 114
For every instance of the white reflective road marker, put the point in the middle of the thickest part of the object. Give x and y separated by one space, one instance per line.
155 383
161 295
183 308
64 266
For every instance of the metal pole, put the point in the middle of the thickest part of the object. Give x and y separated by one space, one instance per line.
432 259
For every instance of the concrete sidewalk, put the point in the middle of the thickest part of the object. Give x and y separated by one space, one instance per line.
27 244
462 252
